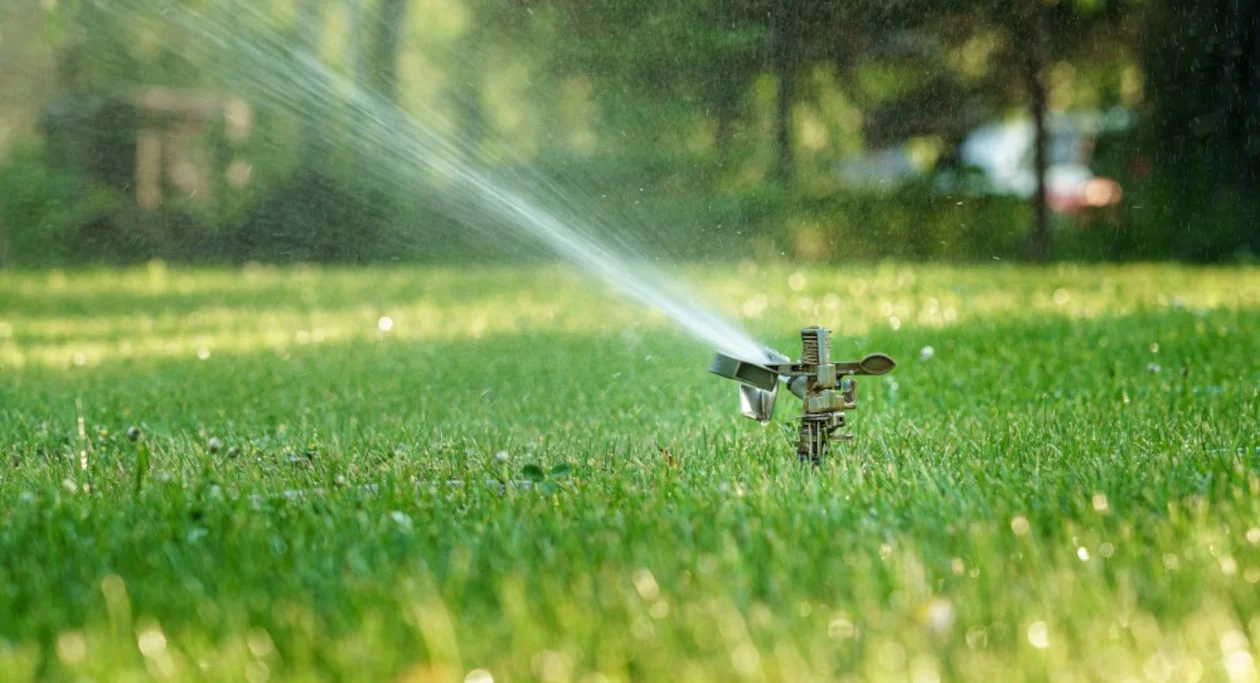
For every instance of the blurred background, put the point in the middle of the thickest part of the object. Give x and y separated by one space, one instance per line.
957 130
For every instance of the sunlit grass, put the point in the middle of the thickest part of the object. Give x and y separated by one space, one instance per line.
90 317
1066 487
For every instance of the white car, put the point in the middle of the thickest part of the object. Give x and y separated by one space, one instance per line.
1003 154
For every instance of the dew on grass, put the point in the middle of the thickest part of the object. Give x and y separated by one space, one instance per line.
1100 502
478 676
1229 566
1039 635
151 641
645 584
939 615
1233 641
924 669
1019 525
642 629
71 647
1253 535
659 609
1240 666
257 672
385 323
259 642
745 659
927 353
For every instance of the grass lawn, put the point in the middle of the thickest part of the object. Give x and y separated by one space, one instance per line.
1068 488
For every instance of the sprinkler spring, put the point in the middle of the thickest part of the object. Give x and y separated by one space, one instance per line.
826 389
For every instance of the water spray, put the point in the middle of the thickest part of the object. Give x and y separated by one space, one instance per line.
826 389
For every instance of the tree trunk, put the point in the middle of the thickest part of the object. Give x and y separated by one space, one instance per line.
4 238
1251 108
784 57
727 111
358 43
1241 76
471 113
314 139
1039 242
393 15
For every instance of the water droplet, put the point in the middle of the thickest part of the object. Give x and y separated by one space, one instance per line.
151 641
1019 525
840 628
1039 635
71 647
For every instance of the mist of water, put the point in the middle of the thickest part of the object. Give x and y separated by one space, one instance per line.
402 153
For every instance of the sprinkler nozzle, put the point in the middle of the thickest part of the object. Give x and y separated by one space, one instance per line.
826 389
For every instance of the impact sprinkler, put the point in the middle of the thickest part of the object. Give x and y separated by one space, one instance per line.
826 389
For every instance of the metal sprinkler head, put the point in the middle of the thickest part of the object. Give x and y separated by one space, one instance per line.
826 389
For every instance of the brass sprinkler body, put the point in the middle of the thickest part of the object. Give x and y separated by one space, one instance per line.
826 389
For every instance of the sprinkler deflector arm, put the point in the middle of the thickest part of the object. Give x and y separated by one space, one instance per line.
826 389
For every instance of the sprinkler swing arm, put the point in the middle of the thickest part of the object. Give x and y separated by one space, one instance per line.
826 389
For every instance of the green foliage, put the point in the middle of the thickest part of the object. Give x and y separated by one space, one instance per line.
44 213
676 100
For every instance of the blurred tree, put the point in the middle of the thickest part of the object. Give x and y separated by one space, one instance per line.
357 42
393 14
949 100
786 18
1202 63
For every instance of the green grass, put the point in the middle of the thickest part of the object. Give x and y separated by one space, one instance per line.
1068 490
